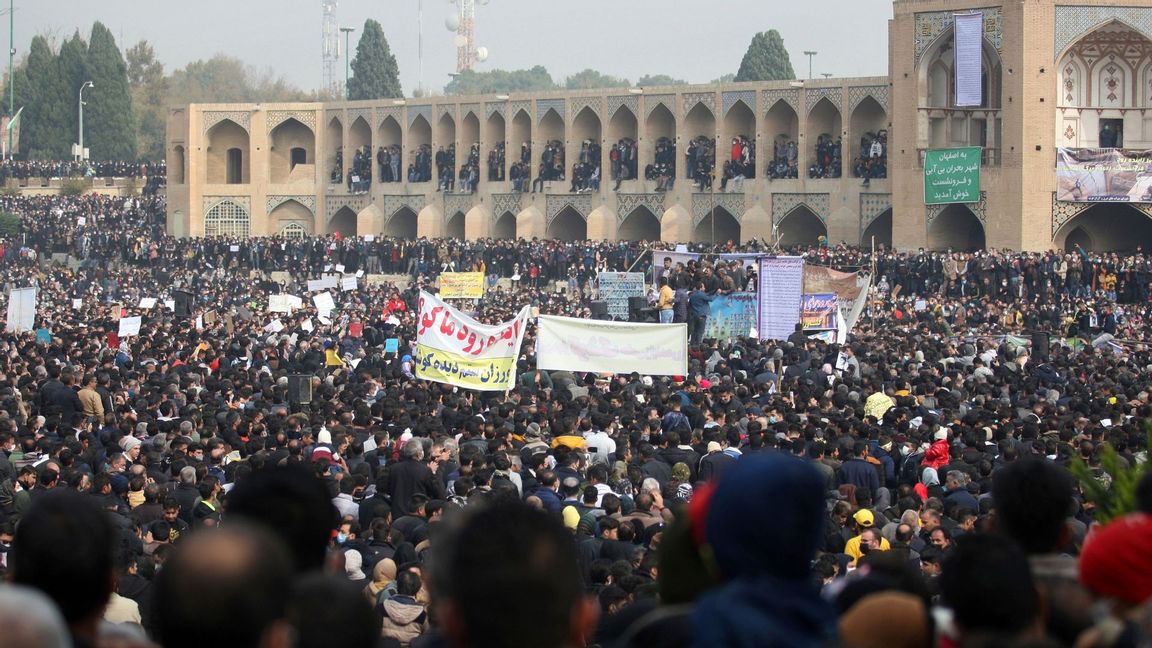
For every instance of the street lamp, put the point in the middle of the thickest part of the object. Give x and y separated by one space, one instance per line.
11 83
347 36
80 147
810 54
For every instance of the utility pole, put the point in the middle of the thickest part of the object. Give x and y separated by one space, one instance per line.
810 54
80 107
347 57
11 72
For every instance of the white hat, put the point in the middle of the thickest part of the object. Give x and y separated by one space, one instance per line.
940 435
324 436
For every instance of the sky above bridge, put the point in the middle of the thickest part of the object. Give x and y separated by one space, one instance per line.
696 41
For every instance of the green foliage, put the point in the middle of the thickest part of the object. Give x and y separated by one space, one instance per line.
653 80
724 78
108 116
500 81
1113 490
74 186
9 224
375 74
589 79
766 59
149 87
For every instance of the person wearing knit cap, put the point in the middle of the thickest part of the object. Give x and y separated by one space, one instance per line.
1116 562
766 597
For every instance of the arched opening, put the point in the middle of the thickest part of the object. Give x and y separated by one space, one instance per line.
552 127
495 132
334 135
470 137
1107 227
869 128
639 225
175 165
700 127
738 146
1105 69
568 225
227 218
445 158
521 138
294 231
360 145
292 144
586 134
551 157
881 229
823 135
454 228
402 224
290 213
227 154
952 125
420 149
660 129
622 134
717 227
956 228
505 227
389 151
344 222
782 130
801 226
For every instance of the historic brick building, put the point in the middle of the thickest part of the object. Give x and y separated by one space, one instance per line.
1053 75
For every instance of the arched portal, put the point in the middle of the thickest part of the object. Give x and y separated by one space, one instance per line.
586 137
956 228
569 225
881 229
639 225
228 154
454 228
336 159
520 139
801 226
739 134
290 212
869 145
782 141
227 218
505 227
470 131
726 228
1107 69
660 129
343 221
445 131
419 149
495 133
402 224
622 125
290 138
551 127
175 165
822 134
1106 227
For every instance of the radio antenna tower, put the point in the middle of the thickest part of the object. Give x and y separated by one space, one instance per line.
466 37
330 47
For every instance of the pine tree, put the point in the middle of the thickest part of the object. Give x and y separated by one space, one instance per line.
375 74
766 59
109 125
36 125
72 70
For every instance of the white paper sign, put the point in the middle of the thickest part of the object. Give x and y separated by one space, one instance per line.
82 221
22 309
340 268
77 304
233 248
275 326
283 303
307 325
359 273
348 283
129 326
369 237
199 321
324 303
147 302
170 304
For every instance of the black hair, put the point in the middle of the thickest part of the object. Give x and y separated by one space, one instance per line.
1033 497
987 582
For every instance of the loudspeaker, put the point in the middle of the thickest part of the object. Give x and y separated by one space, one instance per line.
1040 346
183 306
637 303
299 389
599 309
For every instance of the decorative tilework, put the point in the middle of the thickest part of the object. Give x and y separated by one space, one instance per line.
393 204
241 118
631 102
395 112
277 117
454 202
212 201
979 209
329 115
446 109
544 105
812 96
929 26
516 106
702 204
784 204
690 99
856 94
505 203
872 205
492 108
580 103
272 202
1072 22
729 99
473 108
333 204
582 203
790 96
626 203
419 111
669 101
359 113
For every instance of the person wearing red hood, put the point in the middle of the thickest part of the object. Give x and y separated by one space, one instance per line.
938 453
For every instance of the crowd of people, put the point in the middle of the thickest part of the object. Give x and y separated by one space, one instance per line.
388 161
741 164
908 487
496 163
420 169
827 162
27 169
586 169
700 164
784 164
873 159
623 160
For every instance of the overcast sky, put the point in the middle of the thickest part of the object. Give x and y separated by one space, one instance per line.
696 41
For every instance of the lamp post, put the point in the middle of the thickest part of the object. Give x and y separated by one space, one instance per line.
347 59
80 107
11 78
810 54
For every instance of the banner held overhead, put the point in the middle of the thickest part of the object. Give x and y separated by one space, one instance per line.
781 286
566 343
454 349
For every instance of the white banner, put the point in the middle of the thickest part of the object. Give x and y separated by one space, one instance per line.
22 309
968 64
781 287
455 349
566 343
129 326
284 303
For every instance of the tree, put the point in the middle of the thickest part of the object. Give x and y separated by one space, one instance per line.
38 122
224 79
723 78
766 59
109 124
469 82
375 74
589 79
149 88
653 80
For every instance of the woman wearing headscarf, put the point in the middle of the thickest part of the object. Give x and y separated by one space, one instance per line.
383 584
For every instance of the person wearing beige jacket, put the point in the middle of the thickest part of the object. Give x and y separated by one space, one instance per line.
90 399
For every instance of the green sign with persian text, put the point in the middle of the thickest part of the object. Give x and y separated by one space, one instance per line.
952 175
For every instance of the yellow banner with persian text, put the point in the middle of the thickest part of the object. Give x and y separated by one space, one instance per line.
462 285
